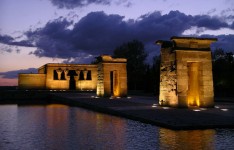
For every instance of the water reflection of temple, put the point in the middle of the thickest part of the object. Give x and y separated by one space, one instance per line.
186 139
100 131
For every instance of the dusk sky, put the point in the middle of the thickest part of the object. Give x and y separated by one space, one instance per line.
36 32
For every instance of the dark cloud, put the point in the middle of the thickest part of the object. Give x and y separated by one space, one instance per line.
5 39
14 74
69 4
226 42
53 40
155 25
98 33
94 34
208 22
232 25
211 11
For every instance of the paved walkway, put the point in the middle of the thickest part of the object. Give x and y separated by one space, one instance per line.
146 109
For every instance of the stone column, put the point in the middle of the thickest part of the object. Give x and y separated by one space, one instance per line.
59 72
66 74
85 72
78 74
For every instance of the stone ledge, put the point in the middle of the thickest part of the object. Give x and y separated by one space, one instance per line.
172 118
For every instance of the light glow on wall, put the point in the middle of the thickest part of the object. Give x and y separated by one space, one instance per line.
116 91
193 86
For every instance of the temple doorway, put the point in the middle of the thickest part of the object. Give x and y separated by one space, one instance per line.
193 96
114 83
72 81
111 83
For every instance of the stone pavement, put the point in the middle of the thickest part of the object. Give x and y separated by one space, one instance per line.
147 110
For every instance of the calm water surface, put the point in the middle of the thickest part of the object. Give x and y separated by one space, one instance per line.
59 127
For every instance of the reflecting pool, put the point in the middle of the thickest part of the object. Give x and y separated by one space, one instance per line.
62 127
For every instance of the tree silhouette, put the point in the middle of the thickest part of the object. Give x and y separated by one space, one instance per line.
223 73
135 54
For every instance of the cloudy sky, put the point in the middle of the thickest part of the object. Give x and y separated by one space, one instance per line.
36 32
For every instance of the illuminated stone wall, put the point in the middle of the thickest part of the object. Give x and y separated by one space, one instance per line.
108 77
59 76
186 72
88 82
31 81
112 76
56 83
168 80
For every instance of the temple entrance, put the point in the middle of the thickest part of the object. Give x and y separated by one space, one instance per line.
112 76
111 83
72 81
193 84
114 83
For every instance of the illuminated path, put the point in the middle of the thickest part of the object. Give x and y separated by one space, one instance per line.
145 109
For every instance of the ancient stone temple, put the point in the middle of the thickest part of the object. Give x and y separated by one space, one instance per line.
112 77
186 78
108 77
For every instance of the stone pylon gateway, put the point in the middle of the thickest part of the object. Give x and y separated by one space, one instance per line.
186 78
112 77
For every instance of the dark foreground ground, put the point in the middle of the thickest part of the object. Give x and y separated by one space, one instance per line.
140 108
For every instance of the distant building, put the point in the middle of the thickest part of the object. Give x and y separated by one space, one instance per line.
107 78
186 78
